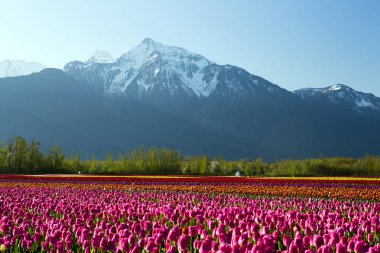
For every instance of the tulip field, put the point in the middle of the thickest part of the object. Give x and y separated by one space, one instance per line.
189 214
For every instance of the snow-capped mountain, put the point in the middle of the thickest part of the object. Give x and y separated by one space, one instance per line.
154 68
341 94
11 68
101 57
164 96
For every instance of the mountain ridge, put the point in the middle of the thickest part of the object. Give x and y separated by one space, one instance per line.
341 94
153 67
98 107
12 68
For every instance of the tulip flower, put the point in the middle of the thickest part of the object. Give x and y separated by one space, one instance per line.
359 247
293 248
318 241
286 240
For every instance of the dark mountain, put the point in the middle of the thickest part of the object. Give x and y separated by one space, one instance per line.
163 96
56 109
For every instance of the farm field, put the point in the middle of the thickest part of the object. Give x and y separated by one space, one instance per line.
71 213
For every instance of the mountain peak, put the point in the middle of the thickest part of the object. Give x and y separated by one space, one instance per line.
340 94
155 68
335 87
148 47
11 68
148 41
101 57
339 87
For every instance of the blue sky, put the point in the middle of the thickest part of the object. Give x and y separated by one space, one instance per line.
293 43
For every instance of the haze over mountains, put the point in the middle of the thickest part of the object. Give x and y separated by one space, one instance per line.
10 68
166 96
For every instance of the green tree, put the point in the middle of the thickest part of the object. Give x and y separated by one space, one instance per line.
204 165
34 156
20 156
249 168
122 166
153 163
218 165
3 156
92 168
10 153
73 164
259 165
56 158
108 166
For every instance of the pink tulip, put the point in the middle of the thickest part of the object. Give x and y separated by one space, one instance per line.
306 241
135 249
174 233
141 243
123 244
95 243
340 248
318 241
183 242
351 246
286 240
172 249
359 247
103 244
293 248
45 246
370 238
225 248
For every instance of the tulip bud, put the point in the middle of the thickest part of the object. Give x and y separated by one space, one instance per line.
286 240
370 237
103 244
340 248
318 241
45 246
359 247
293 248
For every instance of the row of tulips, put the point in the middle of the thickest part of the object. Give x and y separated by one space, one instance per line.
102 217
196 180
339 191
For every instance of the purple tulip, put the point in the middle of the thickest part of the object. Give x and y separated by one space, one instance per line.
172 249
45 246
95 243
306 241
123 244
318 241
293 248
103 244
174 234
193 231
286 240
370 237
359 247
183 242
135 249
351 246
340 248
225 248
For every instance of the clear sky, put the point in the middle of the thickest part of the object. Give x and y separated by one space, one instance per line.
293 43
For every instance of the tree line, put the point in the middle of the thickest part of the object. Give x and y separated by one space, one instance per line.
17 155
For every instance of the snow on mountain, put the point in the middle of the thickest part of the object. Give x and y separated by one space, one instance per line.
11 68
341 94
101 57
152 67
